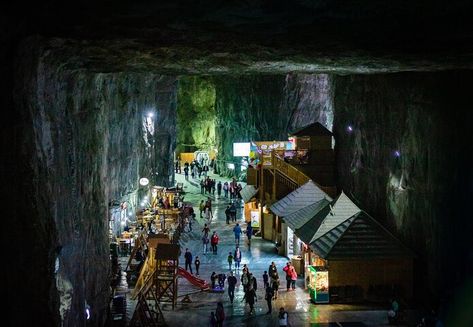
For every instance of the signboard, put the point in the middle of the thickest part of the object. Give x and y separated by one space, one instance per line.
241 149
255 218
260 152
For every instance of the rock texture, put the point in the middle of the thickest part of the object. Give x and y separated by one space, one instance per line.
423 191
309 98
195 114
248 108
85 145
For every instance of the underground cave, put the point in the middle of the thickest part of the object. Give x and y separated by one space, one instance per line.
337 135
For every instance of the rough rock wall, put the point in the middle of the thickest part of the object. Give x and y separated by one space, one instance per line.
422 191
195 114
310 99
86 143
248 108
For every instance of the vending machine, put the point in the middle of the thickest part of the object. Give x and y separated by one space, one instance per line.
318 284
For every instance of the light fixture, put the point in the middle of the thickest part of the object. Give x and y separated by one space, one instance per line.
144 181
349 128
150 114
397 153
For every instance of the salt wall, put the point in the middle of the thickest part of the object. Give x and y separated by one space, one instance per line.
82 143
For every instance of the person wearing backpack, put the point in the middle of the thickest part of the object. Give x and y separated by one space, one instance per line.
220 314
283 317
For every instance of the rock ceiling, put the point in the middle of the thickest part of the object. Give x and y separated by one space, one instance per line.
260 36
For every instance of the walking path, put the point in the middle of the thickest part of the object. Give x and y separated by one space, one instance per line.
258 258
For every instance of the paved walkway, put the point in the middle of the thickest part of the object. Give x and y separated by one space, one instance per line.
258 258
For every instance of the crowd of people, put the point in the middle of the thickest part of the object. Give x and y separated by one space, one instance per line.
237 275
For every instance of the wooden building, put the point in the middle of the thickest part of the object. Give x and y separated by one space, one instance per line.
363 259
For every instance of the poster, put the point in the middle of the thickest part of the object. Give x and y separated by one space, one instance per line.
255 218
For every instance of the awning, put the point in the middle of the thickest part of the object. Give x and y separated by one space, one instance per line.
248 192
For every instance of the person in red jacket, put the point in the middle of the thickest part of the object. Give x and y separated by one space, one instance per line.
291 276
213 242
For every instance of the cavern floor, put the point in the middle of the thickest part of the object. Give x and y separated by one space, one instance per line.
302 312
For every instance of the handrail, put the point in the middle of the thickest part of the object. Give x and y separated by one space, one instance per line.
290 171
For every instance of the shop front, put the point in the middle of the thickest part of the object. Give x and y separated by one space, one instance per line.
318 285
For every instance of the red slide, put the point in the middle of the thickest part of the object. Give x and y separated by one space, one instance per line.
200 283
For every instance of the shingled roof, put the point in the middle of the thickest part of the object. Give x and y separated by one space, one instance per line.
304 196
248 192
315 129
350 233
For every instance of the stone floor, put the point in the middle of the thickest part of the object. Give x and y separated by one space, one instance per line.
258 258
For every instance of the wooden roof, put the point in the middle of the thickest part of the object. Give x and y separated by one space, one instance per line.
304 196
315 129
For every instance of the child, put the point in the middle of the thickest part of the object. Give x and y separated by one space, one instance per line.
265 279
230 260
197 265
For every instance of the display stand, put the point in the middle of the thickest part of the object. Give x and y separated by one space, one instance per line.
318 284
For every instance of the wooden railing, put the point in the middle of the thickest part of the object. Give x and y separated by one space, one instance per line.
146 273
290 171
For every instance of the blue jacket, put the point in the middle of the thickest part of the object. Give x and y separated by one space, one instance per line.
237 230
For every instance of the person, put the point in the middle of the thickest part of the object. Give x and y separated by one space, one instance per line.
189 222
202 208
208 214
220 313
214 242
250 296
205 243
227 214
233 211
208 204
186 173
197 265
275 285
269 298
272 270
219 188
283 317
288 270
221 280
265 279
249 233
213 278
230 260
202 187
253 283
237 232
188 259
225 189
293 277
213 320
393 312
245 280
206 230
231 286
237 257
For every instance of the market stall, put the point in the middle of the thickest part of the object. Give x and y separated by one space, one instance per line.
318 284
